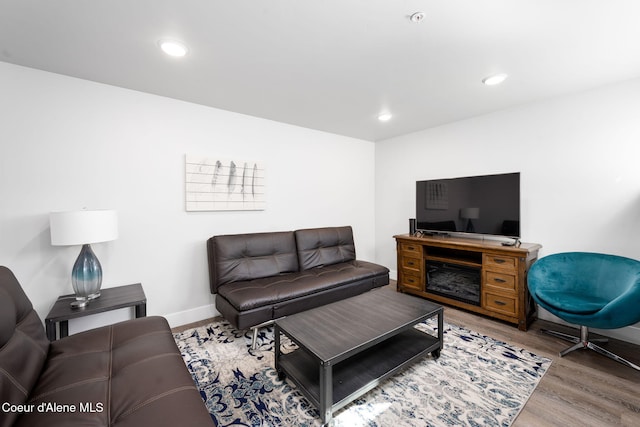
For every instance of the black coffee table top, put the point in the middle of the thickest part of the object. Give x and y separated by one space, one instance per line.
332 332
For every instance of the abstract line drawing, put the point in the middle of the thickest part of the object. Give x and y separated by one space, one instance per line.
214 184
437 196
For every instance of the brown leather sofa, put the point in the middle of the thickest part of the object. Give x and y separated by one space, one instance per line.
260 277
127 374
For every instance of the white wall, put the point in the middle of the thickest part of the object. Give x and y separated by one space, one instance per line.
68 143
579 158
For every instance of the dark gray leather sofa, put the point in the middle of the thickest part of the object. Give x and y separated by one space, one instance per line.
260 277
127 374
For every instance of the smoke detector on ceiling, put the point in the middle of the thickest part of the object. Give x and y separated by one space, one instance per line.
417 17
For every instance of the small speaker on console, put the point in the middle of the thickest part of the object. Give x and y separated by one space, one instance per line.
412 226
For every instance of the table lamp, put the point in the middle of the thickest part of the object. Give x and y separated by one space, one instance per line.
83 228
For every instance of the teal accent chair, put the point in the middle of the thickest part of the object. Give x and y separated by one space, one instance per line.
591 290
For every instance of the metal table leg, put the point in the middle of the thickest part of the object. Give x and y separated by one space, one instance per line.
276 336
326 393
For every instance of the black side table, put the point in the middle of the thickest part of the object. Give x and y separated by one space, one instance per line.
110 299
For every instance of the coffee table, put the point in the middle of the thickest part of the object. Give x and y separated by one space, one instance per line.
346 348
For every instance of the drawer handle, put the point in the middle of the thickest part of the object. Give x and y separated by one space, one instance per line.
499 302
498 280
410 263
411 280
411 248
499 260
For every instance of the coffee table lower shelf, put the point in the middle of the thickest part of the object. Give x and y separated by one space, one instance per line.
360 373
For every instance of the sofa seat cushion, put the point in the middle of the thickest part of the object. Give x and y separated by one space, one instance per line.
127 374
252 294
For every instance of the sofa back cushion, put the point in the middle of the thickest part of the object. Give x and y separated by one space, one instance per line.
23 345
240 257
318 247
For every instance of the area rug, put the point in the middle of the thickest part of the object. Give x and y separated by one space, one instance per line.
477 381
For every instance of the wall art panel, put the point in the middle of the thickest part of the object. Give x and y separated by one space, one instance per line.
214 184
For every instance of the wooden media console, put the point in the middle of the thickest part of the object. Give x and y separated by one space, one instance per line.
497 274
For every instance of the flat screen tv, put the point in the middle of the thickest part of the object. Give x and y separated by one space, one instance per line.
486 205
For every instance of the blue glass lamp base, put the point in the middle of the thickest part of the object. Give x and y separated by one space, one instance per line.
86 277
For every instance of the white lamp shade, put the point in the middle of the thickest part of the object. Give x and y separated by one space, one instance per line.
83 227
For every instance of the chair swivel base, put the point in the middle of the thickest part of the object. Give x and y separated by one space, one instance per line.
583 342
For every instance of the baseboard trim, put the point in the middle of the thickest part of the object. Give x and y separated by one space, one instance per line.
192 315
629 334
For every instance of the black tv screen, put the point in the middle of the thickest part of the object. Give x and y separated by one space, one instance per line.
487 204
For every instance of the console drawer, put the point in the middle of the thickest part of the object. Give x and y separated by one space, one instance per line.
411 280
500 280
411 249
500 303
410 263
500 261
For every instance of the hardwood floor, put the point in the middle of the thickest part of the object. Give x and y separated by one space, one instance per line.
581 389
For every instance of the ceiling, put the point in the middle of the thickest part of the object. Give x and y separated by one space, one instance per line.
333 65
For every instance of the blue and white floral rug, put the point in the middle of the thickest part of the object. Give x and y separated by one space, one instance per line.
477 381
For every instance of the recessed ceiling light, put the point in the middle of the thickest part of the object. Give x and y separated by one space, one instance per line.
384 117
495 79
417 17
173 48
